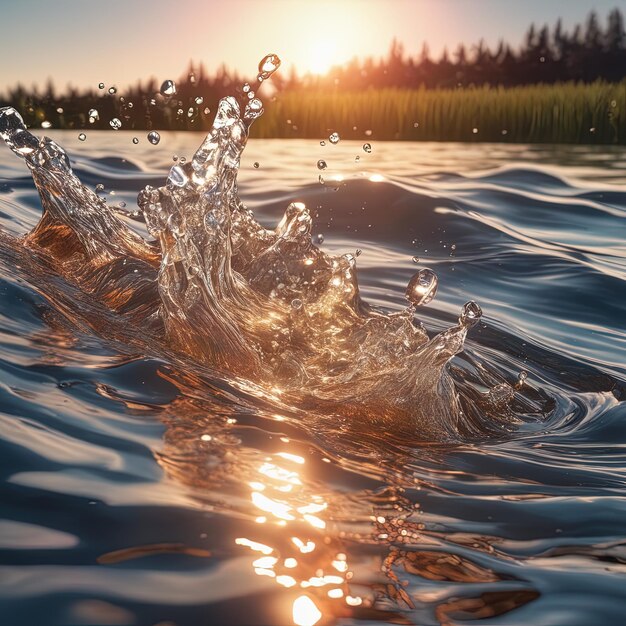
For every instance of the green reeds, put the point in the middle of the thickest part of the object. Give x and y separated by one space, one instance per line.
562 113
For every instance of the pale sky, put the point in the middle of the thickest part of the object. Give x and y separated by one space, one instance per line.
83 42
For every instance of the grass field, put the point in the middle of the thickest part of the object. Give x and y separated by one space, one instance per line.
564 113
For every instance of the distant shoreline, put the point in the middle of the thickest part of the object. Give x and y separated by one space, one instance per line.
565 113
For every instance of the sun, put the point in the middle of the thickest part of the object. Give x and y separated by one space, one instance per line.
322 56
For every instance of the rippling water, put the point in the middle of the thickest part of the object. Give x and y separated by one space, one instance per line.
139 489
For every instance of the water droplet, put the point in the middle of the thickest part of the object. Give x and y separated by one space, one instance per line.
59 110
319 238
416 125
321 164
368 133
246 87
99 187
475 130
322 143
115 123
422 288
367 147
268 65
207 110
135 140
253 109
470 315
334 138
122 204
415 259
82 136
358 252
112 90
100 85
357 158
256 165
154 137
93 114
192 78
168 88
453 247
521 379
46 124
199 100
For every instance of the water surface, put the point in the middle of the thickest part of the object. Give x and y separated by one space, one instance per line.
138 491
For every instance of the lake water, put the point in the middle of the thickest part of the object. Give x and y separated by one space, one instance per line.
138 490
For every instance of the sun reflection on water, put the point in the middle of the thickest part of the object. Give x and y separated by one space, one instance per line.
315 564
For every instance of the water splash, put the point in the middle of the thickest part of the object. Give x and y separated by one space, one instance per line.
265 305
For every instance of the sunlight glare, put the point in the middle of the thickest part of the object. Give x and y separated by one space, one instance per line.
322 56
305 613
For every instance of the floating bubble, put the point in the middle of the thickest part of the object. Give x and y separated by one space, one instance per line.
321 164
115 123
46 124
154 137
422 288
82 137
367 147
470 315
334 138
168 88
135 140
268 65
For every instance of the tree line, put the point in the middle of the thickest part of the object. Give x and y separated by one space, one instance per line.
589 52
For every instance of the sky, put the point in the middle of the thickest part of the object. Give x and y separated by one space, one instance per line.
84 42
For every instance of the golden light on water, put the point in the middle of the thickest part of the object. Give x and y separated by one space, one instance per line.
322 571
305 612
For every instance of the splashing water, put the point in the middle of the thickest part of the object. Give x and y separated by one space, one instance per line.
265 305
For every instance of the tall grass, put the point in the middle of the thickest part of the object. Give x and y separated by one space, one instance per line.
562 113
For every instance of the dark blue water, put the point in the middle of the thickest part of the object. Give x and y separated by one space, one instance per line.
138 489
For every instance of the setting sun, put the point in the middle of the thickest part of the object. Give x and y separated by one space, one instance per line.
322 56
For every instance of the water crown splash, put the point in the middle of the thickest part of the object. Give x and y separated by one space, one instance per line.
265 305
